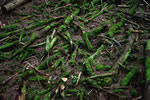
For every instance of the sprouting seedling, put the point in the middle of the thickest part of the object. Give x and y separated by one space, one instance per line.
47 43
50 41
69 37
53 33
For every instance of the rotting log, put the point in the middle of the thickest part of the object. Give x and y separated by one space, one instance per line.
13 5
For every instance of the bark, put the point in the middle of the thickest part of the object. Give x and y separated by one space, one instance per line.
13 5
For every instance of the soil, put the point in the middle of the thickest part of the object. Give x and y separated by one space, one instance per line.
20 78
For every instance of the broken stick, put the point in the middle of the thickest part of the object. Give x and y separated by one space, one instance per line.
12 5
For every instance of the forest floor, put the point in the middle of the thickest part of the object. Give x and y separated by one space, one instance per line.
54 50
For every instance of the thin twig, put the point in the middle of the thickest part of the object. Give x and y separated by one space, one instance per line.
146 3
101 75
79 75
13 76
110 92
111 39
4 39
35 69
61 7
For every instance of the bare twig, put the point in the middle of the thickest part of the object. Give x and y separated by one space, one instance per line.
110 92
79 75
101 75
35 69
12 77
111 39
61 7
4 39
146 3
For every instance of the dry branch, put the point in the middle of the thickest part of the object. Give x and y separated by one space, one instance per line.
13 5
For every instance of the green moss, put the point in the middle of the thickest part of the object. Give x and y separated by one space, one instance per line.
126 55
92 83
68 19
134 5
62 28
76 12
73 56
148 45
101 48
102 67
7 45
134 93
66 1
37 78
89 69
37 97
147 68
114 28
75 78
96 1
63 68
87 41
100 12
82 52
32 39
44 63
49 27
129 76
92 62
57 63
25 54
107 81
21 36
42 22
11 27
2 35
95 32
73 90
117 90
82 93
